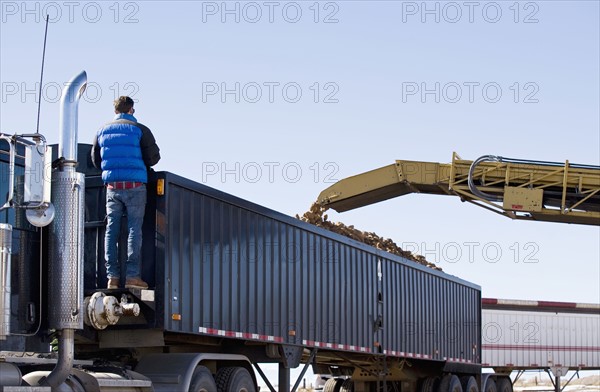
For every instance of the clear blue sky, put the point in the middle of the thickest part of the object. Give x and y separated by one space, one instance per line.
361 62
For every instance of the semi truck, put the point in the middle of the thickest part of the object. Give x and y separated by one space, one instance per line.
232 285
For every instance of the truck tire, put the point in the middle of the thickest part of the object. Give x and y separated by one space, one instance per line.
469 384
347 386
333 385
202 381
450 383
234 379
504 385
490 386
429 384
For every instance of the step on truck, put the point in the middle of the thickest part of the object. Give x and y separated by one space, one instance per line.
232 285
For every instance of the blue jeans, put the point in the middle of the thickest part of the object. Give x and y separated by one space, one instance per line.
118 201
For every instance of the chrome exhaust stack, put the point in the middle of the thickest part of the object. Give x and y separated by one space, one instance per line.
65 264
68 126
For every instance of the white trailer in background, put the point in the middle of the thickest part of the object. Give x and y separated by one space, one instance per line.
556 337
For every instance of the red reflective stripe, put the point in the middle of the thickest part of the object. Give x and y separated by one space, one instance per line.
539 304
557 304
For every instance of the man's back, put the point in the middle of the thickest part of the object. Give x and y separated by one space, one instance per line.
120 151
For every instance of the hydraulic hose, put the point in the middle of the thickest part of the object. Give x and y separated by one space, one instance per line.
473 187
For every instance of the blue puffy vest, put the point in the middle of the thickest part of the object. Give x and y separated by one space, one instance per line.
121 153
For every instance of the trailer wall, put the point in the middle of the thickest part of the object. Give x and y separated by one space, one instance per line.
234 268
527 339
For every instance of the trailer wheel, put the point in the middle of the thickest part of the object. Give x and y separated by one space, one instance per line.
234 379
202 381
490 386
469 384
504 385
348 386
333 385
450 383
429 384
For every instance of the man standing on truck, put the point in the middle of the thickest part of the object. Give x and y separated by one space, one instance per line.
124 149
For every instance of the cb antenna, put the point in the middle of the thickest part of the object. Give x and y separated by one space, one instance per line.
37 128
